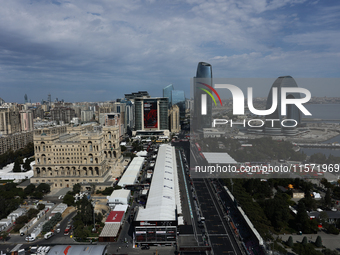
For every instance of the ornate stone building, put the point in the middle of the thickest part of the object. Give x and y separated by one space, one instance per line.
70 155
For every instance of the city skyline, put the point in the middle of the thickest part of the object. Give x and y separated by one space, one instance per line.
82 51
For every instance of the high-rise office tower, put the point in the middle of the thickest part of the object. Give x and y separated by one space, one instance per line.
167 92
26 120
203 76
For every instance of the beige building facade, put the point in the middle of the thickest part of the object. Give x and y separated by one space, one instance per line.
84 154
175 126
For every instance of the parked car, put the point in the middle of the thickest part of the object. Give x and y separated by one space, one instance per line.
145 247
46 249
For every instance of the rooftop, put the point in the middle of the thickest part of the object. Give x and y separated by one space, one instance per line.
219 158
164 195
115 216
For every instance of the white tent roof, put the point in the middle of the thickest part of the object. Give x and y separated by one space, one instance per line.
164 195
131 174
219 158
122 208
119 194
8 174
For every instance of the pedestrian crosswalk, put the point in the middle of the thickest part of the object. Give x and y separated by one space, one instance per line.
16 248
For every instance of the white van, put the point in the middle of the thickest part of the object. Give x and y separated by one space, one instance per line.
48 235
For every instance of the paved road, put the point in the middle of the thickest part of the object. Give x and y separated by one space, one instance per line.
56 239
219 233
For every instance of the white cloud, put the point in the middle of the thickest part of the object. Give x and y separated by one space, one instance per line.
152 43
319 38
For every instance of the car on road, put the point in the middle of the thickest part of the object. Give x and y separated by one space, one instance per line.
30 238
145 247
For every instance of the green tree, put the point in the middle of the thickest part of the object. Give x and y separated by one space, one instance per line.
81 232
68 199
99 217
277 210
4 235
29 189
333 230
117 187
85 211
308 249
27 164
309 202
329 252
37 195
319 158
48 226
318 242
304 241
32 213
44 188
76 188
22 219
17 166
290 241
41 207
303 223
328 199
107 191
323 216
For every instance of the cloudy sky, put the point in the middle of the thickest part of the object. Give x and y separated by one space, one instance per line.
82 50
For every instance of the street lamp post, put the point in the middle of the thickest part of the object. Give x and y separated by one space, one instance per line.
94 217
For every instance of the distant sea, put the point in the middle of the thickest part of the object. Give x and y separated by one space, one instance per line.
328 113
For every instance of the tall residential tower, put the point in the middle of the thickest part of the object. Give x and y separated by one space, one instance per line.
203 76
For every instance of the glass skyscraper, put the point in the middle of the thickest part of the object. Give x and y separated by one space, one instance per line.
167 91
178 98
